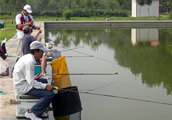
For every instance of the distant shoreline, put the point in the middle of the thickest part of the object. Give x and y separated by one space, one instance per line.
107 24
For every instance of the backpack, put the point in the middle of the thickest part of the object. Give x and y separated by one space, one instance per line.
3 50
22 20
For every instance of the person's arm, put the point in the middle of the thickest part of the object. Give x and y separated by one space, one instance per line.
18 21
39 39
22 25
38 33
50 87
35 27
29 76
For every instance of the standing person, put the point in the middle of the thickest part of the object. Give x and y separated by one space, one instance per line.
27 40
25 83
22 19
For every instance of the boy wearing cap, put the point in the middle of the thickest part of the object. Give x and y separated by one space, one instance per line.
22 19
25 83
27 40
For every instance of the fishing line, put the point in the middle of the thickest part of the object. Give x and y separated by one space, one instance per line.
127 98
94 56
69 49
79 56
110 83
85 54
88 90
40 24
60 43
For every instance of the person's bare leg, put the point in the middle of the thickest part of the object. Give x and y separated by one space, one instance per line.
43 64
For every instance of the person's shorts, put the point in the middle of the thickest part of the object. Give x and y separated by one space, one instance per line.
38 60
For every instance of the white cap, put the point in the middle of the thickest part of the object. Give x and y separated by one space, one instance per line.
27 8
38 45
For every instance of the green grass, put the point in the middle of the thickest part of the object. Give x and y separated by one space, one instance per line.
7 34
45 18
10 33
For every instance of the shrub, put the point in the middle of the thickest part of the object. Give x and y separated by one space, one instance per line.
77 13
67 14
170 15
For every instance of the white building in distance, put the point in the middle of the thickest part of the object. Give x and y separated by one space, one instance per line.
143 11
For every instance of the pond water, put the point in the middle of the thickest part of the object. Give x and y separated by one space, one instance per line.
141 57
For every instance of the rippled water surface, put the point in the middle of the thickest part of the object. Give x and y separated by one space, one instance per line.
141 57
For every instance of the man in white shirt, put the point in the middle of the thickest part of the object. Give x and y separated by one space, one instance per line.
26 83
22 19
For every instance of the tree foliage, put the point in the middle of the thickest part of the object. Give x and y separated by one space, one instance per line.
43 6
67 14
148 2
111 4
141 3
120 2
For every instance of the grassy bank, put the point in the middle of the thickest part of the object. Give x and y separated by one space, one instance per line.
100 18
9 30
10 24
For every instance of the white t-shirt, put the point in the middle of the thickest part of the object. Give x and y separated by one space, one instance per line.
23 75
20 34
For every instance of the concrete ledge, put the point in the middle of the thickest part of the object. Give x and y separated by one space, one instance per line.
107 24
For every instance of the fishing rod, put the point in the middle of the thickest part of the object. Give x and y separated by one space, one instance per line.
79 56
67 49
85 74
85 54
61 43
93 56
127 98
109 84
70 48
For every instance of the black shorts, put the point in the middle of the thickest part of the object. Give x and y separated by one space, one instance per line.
38 60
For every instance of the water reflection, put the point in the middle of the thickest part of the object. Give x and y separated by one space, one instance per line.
143 51
145 35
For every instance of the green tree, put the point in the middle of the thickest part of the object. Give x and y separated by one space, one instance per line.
96 4
30 2
59 4
169 4
141 3
111 4
148 2
67 14
89 4
120 4
164 7
42 5
76 4
5 4
19 4
67 4
126 5
52 5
